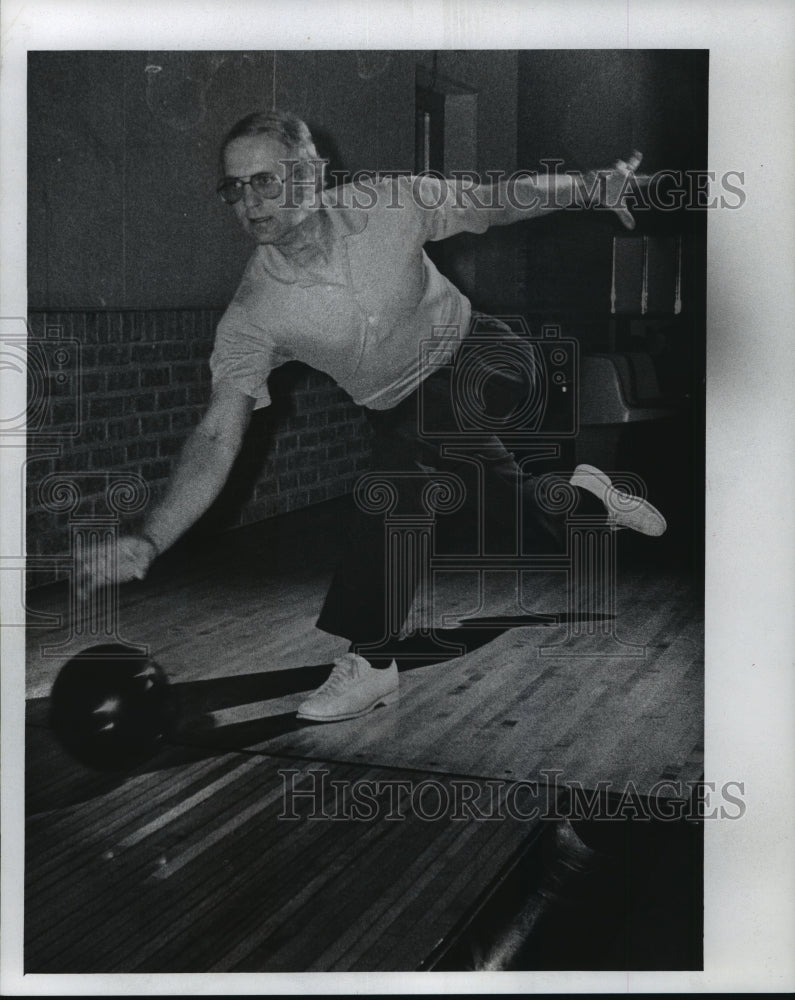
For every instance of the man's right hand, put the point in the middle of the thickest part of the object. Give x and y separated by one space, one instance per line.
202 470
134 556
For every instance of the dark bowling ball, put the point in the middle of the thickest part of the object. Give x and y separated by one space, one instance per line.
111 709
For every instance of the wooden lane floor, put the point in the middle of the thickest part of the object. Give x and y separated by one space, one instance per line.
186 865
239 646
244 602
503 712
245 862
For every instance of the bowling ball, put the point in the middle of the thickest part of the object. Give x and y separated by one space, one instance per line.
111 708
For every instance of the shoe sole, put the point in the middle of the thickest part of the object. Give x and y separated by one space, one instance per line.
642 516
387 699
638 514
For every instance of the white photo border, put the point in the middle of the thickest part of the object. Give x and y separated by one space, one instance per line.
749 879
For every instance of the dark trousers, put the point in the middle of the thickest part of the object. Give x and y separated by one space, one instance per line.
358 601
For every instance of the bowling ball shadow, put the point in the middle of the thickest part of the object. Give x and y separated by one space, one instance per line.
189 717
115 714
200 699
55 780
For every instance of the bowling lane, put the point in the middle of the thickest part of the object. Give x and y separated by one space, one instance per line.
239 862
233 628
240 604
512 709
189 863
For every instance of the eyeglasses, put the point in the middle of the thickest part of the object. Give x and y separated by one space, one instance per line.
265 185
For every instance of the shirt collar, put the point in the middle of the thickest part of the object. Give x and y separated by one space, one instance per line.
303 269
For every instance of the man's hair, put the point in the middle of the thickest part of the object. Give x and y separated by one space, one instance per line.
290 131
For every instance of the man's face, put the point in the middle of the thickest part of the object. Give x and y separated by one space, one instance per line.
267 220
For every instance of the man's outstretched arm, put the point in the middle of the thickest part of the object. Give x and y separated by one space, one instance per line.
469 207
201 471
609 188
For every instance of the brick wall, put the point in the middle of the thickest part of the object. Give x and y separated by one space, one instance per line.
133 387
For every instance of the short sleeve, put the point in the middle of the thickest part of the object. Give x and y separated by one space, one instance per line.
243 355
445 207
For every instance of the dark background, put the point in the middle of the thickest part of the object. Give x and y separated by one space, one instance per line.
123 156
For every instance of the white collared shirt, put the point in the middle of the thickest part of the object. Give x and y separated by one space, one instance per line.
365 314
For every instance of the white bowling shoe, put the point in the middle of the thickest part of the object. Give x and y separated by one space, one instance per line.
353 688
626 510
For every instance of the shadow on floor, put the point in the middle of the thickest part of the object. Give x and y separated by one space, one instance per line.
53 780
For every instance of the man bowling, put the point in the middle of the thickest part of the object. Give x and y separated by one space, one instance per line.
339 280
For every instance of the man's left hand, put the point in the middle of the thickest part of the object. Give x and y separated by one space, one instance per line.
619 183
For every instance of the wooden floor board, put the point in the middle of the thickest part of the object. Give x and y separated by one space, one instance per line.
364 889
276 855
269 852
368 924
97 823
127 870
